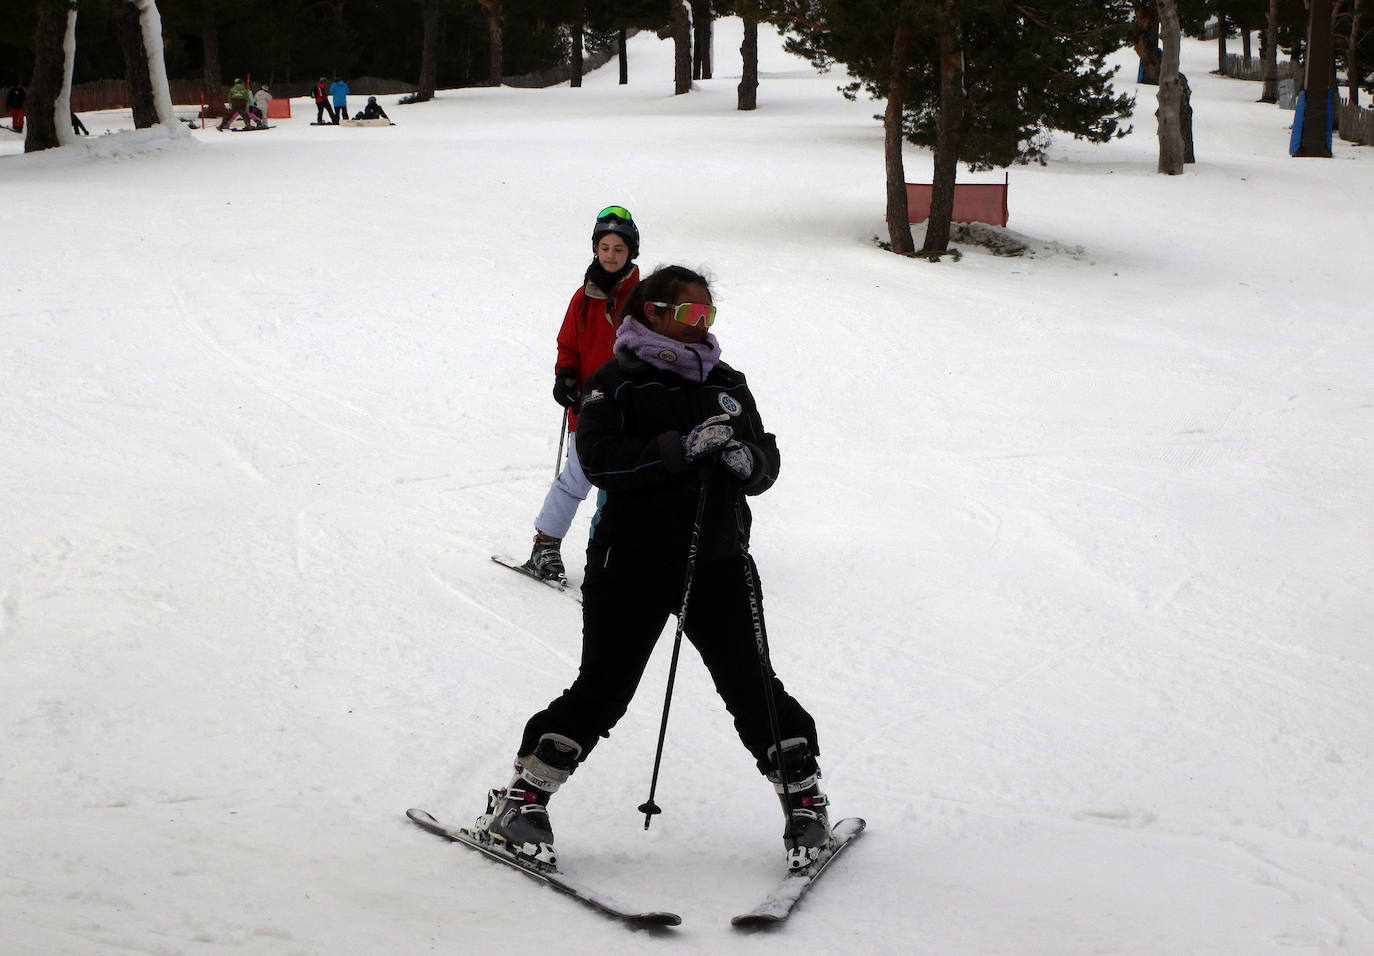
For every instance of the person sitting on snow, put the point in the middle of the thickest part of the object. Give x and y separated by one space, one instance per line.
373 110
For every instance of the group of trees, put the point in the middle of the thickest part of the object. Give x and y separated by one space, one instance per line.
473 42
983 81
977 81
138 28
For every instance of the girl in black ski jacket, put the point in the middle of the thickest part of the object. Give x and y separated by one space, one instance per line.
670 434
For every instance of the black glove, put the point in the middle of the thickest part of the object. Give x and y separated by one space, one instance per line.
565 387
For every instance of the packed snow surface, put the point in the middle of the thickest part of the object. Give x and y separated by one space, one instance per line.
1072 554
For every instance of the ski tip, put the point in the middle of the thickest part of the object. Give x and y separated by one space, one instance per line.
755 921
657 919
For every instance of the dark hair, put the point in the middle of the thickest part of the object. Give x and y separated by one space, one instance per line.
662 285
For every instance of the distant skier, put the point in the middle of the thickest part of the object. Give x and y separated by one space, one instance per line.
338 90
262 102
585 341
14 102
78 127
239 97
663 424
321 94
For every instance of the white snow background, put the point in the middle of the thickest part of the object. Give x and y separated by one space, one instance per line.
1071 555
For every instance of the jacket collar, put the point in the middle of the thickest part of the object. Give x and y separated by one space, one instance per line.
593 291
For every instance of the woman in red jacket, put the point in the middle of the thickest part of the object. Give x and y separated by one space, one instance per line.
585 343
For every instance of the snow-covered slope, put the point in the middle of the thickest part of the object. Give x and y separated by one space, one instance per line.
1071 555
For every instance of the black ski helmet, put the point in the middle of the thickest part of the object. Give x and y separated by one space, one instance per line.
617 219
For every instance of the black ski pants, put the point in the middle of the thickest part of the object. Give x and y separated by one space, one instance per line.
626 600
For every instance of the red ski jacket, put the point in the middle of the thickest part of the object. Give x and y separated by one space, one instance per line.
586 340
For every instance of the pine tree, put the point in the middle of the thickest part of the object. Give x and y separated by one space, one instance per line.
979 81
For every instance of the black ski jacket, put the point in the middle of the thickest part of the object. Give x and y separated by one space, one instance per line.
629 442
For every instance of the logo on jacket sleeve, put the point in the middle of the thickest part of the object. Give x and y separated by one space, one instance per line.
592 397
729 405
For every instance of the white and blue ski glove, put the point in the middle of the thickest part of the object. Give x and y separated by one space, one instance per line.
707 438
738 459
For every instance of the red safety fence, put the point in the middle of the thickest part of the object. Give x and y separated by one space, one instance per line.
973 202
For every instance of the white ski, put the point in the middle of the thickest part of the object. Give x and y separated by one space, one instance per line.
545 874
521 568
777 906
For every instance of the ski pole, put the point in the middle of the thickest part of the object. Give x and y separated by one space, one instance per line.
648 807
766 667
562 434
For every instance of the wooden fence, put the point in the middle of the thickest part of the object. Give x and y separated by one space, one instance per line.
114 95
1237 69
1357 125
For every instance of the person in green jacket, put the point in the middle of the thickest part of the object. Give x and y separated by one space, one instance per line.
239 95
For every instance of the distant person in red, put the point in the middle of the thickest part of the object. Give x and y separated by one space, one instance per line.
14 102
586 341
321 94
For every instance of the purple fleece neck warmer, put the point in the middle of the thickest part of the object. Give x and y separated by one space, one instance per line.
691 361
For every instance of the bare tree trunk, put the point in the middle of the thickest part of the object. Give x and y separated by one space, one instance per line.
495 26
702 24
1352 56
1147 39
129 29
1222 30
948 131
1245 45
1270 90
898 215
150 23
577 41
431 18
1170 92
682 47
748 98
1185 118
49 32
623 57
214 76
1316 110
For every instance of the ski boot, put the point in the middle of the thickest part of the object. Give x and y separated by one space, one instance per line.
517 817
546 561
808 826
